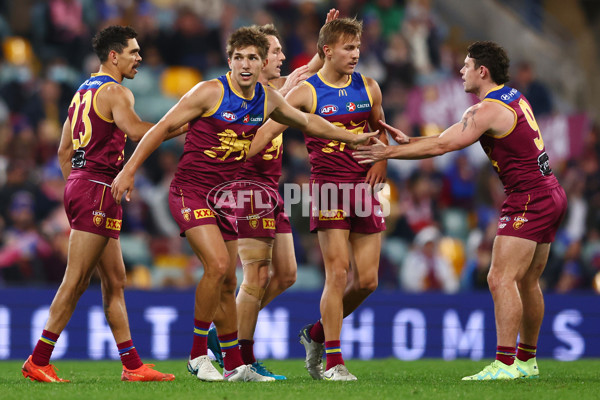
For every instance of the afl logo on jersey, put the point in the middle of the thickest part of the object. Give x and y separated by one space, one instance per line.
328 109
351 106
228 115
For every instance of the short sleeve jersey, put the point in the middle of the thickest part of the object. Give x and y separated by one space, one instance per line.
97 141
519 156
348 107
218 141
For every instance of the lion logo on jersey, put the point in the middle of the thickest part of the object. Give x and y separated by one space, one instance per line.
519 222
98 217
253 220
230 143
275 148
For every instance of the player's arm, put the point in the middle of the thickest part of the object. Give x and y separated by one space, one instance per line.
476 120
200 99
316 63
65 149
299 98
378 171
121 102
285 84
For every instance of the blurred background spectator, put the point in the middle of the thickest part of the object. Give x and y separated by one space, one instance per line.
443 213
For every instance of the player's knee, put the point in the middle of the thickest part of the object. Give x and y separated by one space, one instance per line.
336 278
256 292
368 284
495 280
216 270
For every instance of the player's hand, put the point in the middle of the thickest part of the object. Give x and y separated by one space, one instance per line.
123 184
371 153
298 75
332 14
376 174
362 138
397 134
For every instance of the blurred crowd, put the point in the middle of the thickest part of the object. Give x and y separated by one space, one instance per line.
443 212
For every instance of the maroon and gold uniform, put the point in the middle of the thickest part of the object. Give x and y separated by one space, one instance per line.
215 148
536 203
332 164
98 158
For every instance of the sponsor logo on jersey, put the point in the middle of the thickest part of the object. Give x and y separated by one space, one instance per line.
351 107
501 225
507 96
228 115
203 213
268 223
113 224
519 222
187 213
98 217
253 118
331 215
329 109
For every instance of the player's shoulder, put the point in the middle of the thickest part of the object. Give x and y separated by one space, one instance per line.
115 94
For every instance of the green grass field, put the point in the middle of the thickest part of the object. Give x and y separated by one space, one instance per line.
378 380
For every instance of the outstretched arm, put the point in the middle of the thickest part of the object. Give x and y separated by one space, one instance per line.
313 125
477 120
197 101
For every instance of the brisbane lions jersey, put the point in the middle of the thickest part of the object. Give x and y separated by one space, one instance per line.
519 156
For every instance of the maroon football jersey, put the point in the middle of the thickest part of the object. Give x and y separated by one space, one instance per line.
519 156
265 167
348 107
97 141
218 141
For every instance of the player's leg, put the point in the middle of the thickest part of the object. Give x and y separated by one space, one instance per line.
234 368
511 258
255 255
283 268
336 257
366 250
111 269
533 312
84 252
207 243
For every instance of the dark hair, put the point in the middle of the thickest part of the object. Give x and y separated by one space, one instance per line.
493 57
248 36
114 37
334 30
269 30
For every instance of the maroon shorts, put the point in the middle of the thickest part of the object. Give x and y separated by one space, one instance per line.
91 208
534 215
192 208
259 211
345 205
